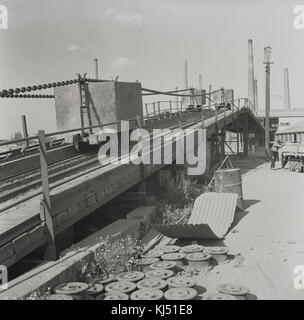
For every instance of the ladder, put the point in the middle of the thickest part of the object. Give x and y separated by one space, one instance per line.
85 115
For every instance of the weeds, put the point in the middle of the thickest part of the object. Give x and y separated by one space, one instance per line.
113 257
179 198
38 295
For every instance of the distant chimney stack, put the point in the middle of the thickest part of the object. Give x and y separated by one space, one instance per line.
286 90
186 75
96 67
200 82
256 104
250 73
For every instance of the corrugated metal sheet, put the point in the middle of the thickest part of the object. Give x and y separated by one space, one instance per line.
211 218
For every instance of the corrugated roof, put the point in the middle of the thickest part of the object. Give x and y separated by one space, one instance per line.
298 127
211 218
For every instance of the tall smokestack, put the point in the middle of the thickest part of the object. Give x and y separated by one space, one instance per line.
186 75
96 67
200 82
256 104
250 73
286 90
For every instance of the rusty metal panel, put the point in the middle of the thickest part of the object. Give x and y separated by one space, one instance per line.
211 218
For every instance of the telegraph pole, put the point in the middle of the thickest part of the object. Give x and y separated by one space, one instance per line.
267 62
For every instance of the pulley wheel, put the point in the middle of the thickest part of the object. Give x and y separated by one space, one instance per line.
180 294
151 283
175 256
103 280
220 296
177 282
82 297
133 276
163 265
218 253
95 289
170 248
192 248
71 288
58 296
232 289
120 286
147 294
216 250
159 274
198 256
113 296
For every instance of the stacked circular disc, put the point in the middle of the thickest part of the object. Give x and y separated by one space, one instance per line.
219 254
238 291
159 278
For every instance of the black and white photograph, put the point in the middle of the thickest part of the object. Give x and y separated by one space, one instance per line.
151 150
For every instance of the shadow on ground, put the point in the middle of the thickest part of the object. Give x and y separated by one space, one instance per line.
248 203
246 165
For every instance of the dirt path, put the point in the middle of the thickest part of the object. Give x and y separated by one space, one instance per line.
269 236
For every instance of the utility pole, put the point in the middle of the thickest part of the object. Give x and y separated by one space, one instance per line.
250 73
96 67
24 128
267 62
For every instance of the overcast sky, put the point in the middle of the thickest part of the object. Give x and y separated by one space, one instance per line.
145 40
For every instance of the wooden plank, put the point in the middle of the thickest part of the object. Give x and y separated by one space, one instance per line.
33 245
107 196
14 230
64 196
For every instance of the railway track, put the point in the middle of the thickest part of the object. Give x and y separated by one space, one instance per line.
31 180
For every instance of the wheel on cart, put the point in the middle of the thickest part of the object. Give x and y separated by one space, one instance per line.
292 166
298 167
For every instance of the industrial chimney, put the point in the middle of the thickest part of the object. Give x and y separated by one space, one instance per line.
186 75
256 104
200 82
96 67
250 73
286 90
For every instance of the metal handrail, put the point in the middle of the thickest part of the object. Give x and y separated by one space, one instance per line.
35 137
